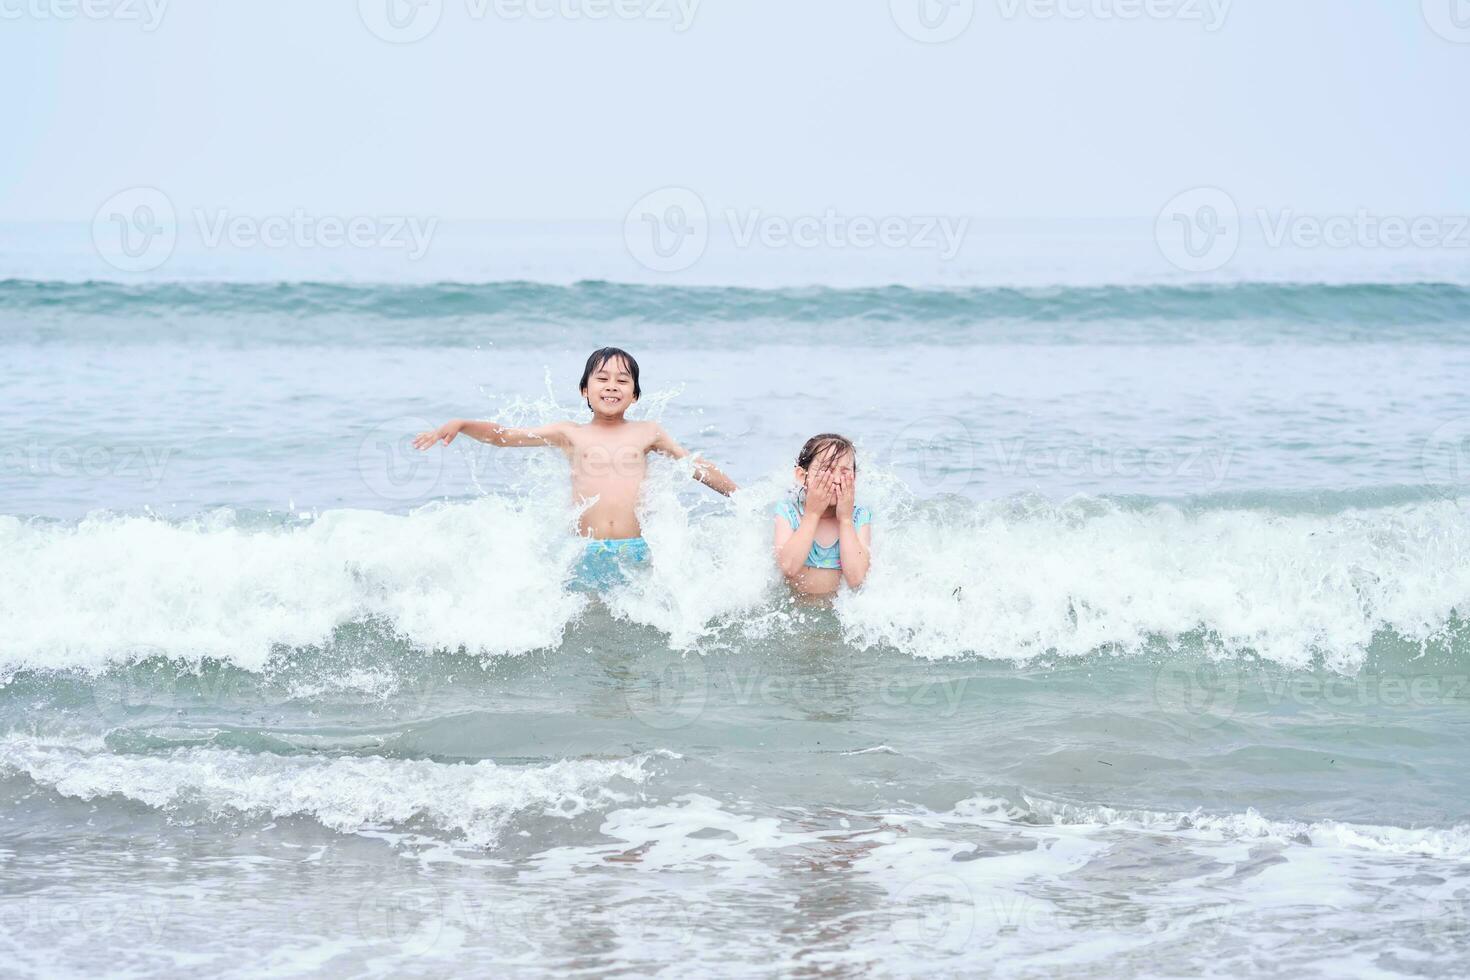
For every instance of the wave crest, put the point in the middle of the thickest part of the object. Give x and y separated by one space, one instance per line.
1005 579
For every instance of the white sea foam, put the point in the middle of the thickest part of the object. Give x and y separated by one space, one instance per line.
706 571
1049 884
876 749
473 802
1012 580
691 833
1065 886
1007 579
487 575
1447 843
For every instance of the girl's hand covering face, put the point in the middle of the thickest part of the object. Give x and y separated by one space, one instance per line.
845 492
821 490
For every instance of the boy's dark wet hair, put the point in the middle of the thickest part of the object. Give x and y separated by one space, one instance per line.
825 448
601 357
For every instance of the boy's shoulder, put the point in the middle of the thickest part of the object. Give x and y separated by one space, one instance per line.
646 431
628 424
630 429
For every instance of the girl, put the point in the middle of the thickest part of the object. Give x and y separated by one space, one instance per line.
821 538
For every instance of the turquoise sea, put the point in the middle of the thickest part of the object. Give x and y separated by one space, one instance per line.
1163 667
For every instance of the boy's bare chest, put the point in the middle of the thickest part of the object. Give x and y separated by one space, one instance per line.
611 458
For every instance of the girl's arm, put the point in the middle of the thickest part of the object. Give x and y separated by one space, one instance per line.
555 434
704 471
792 547
852 543
854 548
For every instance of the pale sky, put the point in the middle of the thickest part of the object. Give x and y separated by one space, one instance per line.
272 104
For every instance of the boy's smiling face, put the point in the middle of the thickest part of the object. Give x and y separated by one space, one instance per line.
609 389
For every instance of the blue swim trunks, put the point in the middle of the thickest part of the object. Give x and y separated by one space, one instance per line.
606 560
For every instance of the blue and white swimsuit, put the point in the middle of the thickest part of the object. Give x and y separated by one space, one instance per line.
822 555
605 562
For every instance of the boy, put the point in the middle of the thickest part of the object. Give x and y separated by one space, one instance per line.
608 457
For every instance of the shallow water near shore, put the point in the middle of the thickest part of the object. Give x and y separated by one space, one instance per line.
1163 667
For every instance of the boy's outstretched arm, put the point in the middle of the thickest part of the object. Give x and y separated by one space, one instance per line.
704 471
496 434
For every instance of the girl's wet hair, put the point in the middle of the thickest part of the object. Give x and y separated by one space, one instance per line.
827 447
601 357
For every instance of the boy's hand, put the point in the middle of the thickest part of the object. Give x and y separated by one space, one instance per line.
445 434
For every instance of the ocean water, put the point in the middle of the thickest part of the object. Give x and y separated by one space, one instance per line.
1162 669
